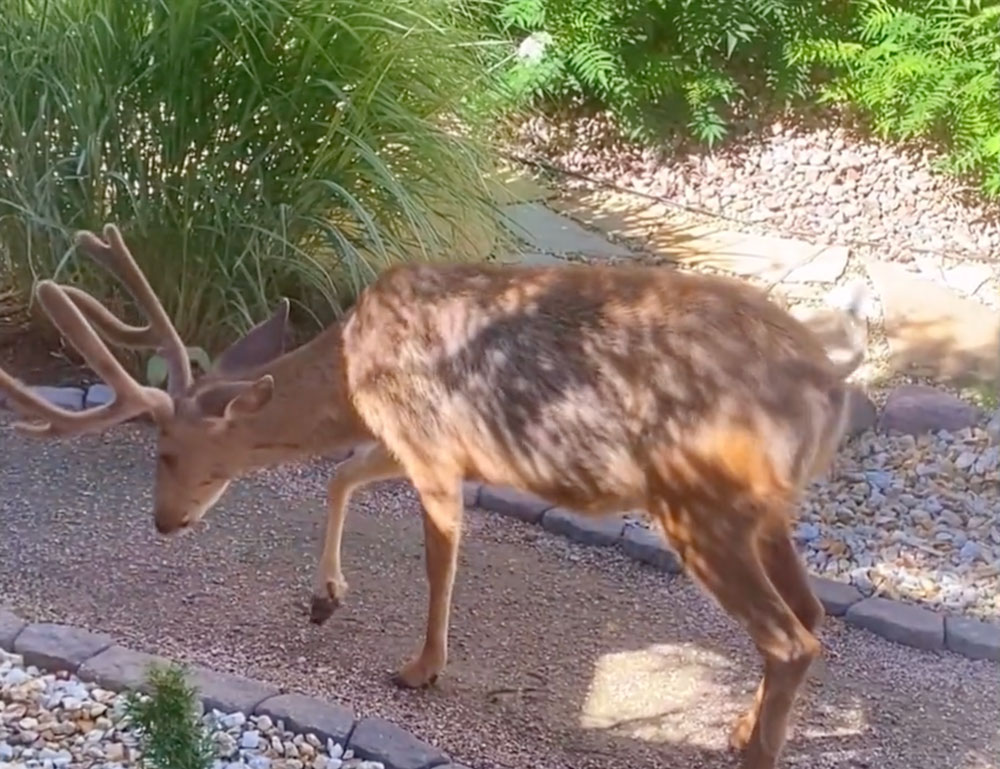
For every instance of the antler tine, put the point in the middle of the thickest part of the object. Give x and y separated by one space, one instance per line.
131 398
112 254
108 326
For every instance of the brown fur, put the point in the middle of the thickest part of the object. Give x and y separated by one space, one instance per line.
597 388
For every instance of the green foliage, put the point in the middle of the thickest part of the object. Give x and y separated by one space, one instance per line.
924 69
248 149
157 370
654 62
167 723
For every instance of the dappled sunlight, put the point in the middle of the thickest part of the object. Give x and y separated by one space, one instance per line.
664 693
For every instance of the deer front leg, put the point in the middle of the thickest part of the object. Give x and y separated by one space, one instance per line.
443 508
371 464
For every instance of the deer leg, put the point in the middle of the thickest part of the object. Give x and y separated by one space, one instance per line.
443 508
329 585
787 573
727 562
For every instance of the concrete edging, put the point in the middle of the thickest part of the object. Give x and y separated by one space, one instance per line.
897 621
97 658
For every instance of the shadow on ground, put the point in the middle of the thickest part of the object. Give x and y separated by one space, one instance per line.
561 657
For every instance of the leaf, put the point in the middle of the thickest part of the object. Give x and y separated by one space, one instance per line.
199 356
156 371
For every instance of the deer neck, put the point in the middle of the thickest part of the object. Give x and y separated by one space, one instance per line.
310 413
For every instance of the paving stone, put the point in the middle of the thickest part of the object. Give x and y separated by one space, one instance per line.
470 493
533 259
837 597
305 715
66 397
228 692
548 231
934 331
861 412
375 739
98 395
649 547
59 647
10 626
118 668
588 530
512 502
899 622
972 638
919 409
515 185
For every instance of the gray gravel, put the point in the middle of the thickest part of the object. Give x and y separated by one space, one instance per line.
562 657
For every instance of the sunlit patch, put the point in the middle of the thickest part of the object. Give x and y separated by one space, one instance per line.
676 693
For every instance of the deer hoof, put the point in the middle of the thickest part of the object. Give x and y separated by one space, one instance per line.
739 737
322 608
414 675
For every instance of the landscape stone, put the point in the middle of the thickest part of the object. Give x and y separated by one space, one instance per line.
655 228
967 278
512 185
932 330
861 412
228 692
59 647
512 502
602 531
647 546
119 668
10 626
98 395
375 739
306 715
899 622
533 259
972 638
70 398
548 231
916 409
836 596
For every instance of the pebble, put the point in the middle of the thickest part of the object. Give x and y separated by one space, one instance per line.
50 722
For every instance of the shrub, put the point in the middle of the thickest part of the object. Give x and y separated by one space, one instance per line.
167 722
249 149
924 69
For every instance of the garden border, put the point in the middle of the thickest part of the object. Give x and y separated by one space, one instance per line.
95 657
898 621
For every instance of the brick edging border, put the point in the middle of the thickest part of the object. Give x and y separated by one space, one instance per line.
897 621
95 657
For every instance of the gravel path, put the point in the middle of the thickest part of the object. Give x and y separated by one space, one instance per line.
561 657
57 721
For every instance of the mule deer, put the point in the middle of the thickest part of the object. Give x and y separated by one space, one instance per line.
597 388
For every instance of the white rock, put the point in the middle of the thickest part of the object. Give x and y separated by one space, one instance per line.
250 739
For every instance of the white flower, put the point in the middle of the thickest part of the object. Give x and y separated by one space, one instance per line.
532 48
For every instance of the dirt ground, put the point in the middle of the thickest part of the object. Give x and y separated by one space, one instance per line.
562 657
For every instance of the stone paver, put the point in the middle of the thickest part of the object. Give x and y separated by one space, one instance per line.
587 530
899 622
376 739
65 397
59 647
919 409
304 714
98 395
470 493
548 231
862 414
513 502
649 547
10 626
118 668
228 692
837 597
972 638
934 331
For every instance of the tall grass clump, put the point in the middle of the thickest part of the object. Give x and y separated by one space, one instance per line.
249 149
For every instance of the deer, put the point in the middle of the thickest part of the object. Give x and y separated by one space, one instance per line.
601 388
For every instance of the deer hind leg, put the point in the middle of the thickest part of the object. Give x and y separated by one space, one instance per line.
443 508
787 573
727 560
367 466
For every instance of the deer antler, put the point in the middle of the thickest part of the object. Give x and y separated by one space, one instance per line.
77 314
114 256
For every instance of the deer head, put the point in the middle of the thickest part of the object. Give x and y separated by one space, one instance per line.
202 426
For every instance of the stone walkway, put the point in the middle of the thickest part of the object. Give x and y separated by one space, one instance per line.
563 657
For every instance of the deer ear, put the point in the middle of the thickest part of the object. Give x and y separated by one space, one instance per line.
230 400
260 345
